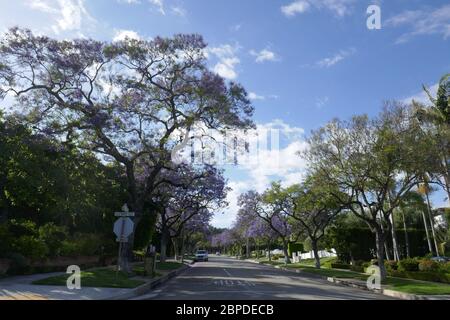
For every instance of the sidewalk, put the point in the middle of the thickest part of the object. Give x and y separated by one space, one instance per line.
21 288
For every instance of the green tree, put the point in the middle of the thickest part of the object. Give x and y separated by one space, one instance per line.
313 208
373 163
435 119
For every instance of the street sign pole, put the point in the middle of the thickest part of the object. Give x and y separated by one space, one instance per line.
123 228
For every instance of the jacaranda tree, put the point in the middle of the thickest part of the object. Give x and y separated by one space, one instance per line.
125 100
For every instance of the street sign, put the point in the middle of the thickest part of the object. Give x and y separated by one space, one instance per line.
123 227
125 212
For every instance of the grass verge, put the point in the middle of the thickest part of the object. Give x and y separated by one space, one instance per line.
398 284
103 277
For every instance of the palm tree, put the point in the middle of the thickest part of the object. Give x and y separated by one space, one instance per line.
425 190
411 211
438 116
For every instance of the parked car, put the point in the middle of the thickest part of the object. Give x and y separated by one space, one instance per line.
201 255
217 253
441 259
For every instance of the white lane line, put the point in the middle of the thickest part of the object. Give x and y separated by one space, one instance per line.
228 274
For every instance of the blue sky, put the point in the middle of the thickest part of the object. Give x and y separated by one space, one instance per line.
304 62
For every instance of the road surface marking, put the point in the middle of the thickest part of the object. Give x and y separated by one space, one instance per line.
226 271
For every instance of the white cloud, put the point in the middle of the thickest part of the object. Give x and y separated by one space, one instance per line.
282 165
321 102
121 35
225 220
228 60
236 27
41 5
296 7
421 96
72 13
422 22
159 4
264 55
129 1
339 7
65 15
178 11
254 96
338 57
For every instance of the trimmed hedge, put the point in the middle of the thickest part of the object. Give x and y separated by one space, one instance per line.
295 247
410 264
421 275
359 243
337 265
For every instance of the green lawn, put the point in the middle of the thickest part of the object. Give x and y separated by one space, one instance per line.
312 262
103 277
303 263
331 272
397 284
161 266
418 287
168 266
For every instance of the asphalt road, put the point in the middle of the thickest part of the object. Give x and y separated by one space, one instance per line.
224 278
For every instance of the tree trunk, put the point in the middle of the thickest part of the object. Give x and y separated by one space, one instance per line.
430 215
164 240
287 260
268 249
394 239
182 245
175 248
380 239
427 232
316 252
386 248
446 176
247 248
408 253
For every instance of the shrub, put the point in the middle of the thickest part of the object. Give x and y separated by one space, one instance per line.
428 265
20 228
68 249
328 263
339 265
53 236
88 244
357 268
391 265
409 264
423 276
295 247
445 267
6 240
30 247
277 257
19 264
365 265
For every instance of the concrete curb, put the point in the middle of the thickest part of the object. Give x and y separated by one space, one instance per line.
337 281
145 288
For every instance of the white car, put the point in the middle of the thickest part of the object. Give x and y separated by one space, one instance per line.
201 255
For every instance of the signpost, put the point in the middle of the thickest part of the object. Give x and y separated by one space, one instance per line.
123 228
